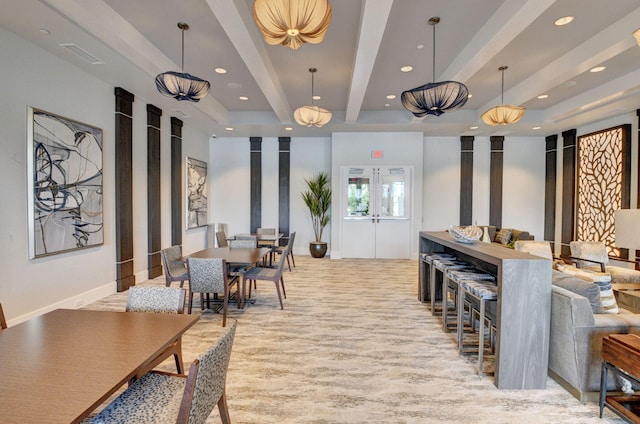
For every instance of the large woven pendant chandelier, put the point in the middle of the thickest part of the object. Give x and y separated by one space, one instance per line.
180 85
435 98
312 115
292 22
503 114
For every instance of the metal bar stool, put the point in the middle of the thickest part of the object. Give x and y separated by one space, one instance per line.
451 284
482 292
424 290
438 268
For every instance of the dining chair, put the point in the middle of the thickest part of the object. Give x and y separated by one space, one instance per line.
267 274
222 239
165 397
173 265
280 250
243 243
3 321
168 300
210 276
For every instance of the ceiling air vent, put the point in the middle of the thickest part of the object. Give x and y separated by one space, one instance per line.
83 54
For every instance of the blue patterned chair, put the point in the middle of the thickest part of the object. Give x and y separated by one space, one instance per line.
208 276
173 265
160 397
168 300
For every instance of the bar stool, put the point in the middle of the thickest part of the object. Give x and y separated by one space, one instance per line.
442 265
424 294
482 292
451 284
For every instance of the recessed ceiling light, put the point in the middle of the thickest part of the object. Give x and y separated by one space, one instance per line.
473 128
45 31
243 98
387 105
563 21
469 96
316 97
543 96
229 128
407 68
598 69
536 128
391 96
220 70
420 46
288 129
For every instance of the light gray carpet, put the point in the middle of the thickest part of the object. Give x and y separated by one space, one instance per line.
354 345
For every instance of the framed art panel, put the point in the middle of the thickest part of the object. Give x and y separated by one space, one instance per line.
196 193
64 165
603 184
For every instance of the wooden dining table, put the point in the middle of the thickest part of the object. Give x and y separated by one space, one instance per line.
59 367
234 257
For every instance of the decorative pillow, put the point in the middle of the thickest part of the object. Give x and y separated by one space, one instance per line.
584 288
504 236
602 280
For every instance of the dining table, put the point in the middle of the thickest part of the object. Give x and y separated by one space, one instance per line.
60 366
236 257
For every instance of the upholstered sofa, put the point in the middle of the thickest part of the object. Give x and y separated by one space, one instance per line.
577 329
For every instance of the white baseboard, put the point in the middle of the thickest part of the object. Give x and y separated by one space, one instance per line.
74 302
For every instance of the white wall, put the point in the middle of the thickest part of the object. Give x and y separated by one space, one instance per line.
33 77
441 184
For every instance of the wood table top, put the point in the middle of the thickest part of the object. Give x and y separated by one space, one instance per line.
237 255
58 367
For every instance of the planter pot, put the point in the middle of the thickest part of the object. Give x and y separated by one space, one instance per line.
318 249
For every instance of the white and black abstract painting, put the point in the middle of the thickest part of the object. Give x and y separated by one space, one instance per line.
65 193
196 193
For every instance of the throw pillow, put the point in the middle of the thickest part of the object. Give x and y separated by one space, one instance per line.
504 236
609 303
584 288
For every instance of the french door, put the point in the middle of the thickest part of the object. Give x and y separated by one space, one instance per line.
376 205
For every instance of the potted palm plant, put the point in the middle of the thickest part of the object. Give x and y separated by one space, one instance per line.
317 197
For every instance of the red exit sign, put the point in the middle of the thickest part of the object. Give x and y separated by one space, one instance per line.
377 154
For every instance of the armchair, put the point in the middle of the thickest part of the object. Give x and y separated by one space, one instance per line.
588 253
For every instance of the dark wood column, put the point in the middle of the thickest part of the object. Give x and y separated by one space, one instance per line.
154 223
495 181
284 174
256 182
551 163
466 179
569 156
176 182
125 277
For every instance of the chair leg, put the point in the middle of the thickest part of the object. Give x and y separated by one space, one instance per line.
177 355
279 296
289 263
223 409
202 301
190 301
224 308
283 291
293 259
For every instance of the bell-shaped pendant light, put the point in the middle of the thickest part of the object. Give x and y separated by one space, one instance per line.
292 22
435 98
312 115
503 114
180 85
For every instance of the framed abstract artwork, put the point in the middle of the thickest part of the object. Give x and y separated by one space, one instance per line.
64 166
196 193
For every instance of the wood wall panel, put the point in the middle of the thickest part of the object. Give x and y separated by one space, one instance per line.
255 144
125 277
176 182
495 181
569 156
284 175
551 160
466 180
154 223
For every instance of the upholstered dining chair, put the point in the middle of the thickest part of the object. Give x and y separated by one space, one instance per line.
168 300
593 255
250 243
3 321
267 274
534 247
173 265
281 249
208 276
164 397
